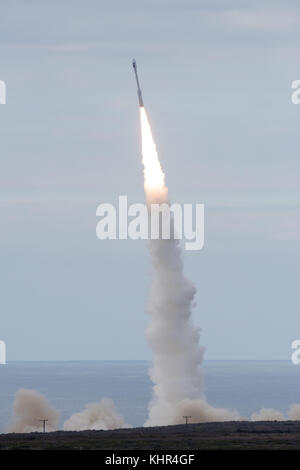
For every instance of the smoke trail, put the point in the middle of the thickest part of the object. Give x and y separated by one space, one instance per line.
29 408
96 416
177 354
154 178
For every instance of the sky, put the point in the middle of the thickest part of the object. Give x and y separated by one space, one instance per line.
216 79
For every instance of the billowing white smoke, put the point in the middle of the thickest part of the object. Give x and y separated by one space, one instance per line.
177 356
96 416
294 411
201 412
174 340
267 414
29 408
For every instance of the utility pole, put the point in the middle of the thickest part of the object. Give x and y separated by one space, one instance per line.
44 424
187 419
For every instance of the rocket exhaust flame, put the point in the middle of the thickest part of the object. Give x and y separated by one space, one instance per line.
154 177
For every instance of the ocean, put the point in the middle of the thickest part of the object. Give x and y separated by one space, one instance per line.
243 385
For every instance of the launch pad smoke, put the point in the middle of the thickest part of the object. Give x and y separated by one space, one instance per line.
31 409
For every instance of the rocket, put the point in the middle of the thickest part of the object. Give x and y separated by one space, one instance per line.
139 92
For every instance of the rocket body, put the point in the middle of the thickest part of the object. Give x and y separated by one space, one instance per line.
139 91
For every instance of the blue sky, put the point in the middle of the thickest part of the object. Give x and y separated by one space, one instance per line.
216 79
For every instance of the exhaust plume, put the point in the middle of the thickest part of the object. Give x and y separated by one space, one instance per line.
174 340
29 408
96 416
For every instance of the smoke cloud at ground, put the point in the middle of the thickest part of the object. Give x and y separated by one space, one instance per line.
96 416
29 408
294 411
201 412
267 414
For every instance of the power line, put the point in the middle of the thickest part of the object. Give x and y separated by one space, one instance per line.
187 419
44 424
